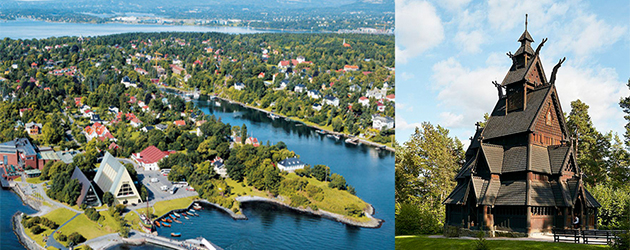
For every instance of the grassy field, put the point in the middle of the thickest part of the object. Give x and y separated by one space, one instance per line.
162 207
335 200
88 228
424 242
239 190
60 215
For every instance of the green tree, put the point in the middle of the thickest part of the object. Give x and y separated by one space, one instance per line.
592 146
625 105
243 133
108 198
425 169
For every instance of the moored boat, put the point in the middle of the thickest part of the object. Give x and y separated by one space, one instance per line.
321 132
176 234
163 219
185 217
353 141
172 216
166 224
177 221
169 220
157 223
176 214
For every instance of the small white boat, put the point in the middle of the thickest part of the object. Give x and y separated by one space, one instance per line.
217 103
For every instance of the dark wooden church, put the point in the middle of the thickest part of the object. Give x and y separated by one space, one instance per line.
521 172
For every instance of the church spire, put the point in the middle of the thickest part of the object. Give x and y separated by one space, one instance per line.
526 40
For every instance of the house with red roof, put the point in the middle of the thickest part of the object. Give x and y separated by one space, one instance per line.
364 101
252 141
180 123
391 97
98 130
350 68
149 157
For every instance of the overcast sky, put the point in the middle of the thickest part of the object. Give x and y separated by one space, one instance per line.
448 53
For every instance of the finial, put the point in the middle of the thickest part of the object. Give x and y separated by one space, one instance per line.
525 21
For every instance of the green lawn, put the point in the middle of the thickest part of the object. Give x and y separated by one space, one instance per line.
163 207
88 228
35 180
60 215
423 242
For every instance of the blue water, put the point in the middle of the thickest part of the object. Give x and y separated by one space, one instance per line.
10 203
29 28
370 171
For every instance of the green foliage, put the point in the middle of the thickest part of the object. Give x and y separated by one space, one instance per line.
62 237
320 172
92 214
625 105
37 229
414 218
622 242
425 168
315 192
337 181
75 238
298 200
615 211
481 243
354 210
108 198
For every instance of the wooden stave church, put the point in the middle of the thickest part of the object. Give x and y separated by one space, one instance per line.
521 171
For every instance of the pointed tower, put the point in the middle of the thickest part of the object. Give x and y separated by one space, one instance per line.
521 173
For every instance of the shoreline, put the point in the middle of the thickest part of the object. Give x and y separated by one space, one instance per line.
364 141
373 223
361 140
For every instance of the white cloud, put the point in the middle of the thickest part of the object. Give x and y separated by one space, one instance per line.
598 88
453 5
403 107
402 124
407 75
464 93
451 120
418 28
585 35
506 14
470 41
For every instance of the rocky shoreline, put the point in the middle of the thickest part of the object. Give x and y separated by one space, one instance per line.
372 223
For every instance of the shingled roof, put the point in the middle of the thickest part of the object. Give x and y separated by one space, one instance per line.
499 124
512 193
85 185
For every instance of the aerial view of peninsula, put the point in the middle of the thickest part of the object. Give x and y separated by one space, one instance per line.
218 125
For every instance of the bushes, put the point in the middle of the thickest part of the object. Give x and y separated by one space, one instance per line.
315 192
35 221
49 223
37 229
412 219
76 238
299 200
622 243
108 198
354 210
615 211
62 237
92 214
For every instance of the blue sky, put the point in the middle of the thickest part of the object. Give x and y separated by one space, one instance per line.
448 53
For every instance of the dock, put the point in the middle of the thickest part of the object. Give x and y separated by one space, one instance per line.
199 243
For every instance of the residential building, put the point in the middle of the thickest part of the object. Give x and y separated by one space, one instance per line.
33 128
239 86
299 88
382 122
290 164
364 101
149 157
331 100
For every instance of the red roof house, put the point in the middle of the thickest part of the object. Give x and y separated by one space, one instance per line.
149 157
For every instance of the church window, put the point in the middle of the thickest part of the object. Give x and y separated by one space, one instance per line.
548 117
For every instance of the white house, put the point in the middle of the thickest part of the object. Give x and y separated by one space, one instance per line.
290 164
317 106
313 94
380 122
149 157
299 88
364 101
239 86
331 100
376 93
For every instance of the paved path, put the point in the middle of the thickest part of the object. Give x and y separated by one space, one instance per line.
51 238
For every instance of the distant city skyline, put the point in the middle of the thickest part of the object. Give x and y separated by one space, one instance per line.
449 52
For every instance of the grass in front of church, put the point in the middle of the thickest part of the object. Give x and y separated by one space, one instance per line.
412 242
